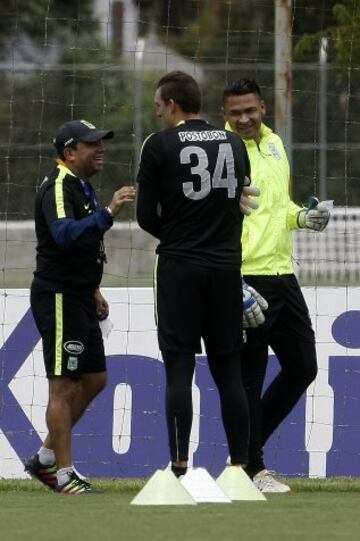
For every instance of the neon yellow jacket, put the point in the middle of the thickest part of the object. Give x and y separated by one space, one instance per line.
267 237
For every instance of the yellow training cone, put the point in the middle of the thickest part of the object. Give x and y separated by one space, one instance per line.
238 486
163 488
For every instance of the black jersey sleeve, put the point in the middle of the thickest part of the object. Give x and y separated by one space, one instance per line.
57 202
147 210
148 179
151 160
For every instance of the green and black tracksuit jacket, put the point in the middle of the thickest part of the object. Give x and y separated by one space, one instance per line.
69 228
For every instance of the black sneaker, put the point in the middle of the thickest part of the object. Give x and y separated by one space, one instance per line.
178 471
75 486
45 474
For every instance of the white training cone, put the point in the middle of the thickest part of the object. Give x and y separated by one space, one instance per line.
238 486
202 487
163 488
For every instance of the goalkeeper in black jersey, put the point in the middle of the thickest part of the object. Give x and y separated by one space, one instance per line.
190 180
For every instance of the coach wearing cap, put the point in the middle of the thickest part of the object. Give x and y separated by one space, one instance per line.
65 297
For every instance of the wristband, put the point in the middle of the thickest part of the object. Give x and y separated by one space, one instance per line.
109 211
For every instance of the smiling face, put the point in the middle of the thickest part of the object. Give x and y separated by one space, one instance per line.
86 159
244 114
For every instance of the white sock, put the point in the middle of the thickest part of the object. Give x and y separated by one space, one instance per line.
63 475
46 456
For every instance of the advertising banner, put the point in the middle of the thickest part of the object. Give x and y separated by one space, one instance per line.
123 434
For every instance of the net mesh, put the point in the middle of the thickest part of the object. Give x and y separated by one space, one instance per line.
100 60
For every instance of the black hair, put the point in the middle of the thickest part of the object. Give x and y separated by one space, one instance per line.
240 87
183 89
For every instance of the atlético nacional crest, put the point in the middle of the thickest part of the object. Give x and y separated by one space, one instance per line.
72 363
274 151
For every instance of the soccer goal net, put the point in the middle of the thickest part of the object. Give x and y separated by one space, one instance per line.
100 60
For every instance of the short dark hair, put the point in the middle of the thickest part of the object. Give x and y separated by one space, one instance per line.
240 87
183 89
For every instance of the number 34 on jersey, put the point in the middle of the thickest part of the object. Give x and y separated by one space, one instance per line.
223 176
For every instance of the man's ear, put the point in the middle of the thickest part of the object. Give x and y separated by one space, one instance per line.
173 105
263 107
224 114
69 154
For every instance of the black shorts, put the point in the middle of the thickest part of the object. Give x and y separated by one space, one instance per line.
287 318
71 336
194 302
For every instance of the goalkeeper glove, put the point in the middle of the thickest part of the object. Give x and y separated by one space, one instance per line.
246 203
253 306
315 216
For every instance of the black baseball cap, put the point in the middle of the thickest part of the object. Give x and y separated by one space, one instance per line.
78 131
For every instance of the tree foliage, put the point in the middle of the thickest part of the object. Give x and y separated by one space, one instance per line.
42 21
343 36
225 39
213 30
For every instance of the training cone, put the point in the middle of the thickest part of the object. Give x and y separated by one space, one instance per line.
202 487
163 488
238 486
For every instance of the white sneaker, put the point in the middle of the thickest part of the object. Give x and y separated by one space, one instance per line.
267 483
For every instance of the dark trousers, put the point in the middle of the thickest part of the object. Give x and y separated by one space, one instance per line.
195 302
288 331
226 372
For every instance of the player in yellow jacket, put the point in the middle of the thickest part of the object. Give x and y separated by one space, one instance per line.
267 267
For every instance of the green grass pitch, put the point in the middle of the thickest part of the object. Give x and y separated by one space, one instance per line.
313 511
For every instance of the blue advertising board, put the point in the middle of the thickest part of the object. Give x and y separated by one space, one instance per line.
320 437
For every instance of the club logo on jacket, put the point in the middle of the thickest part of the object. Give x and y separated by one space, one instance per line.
274 151
72 363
